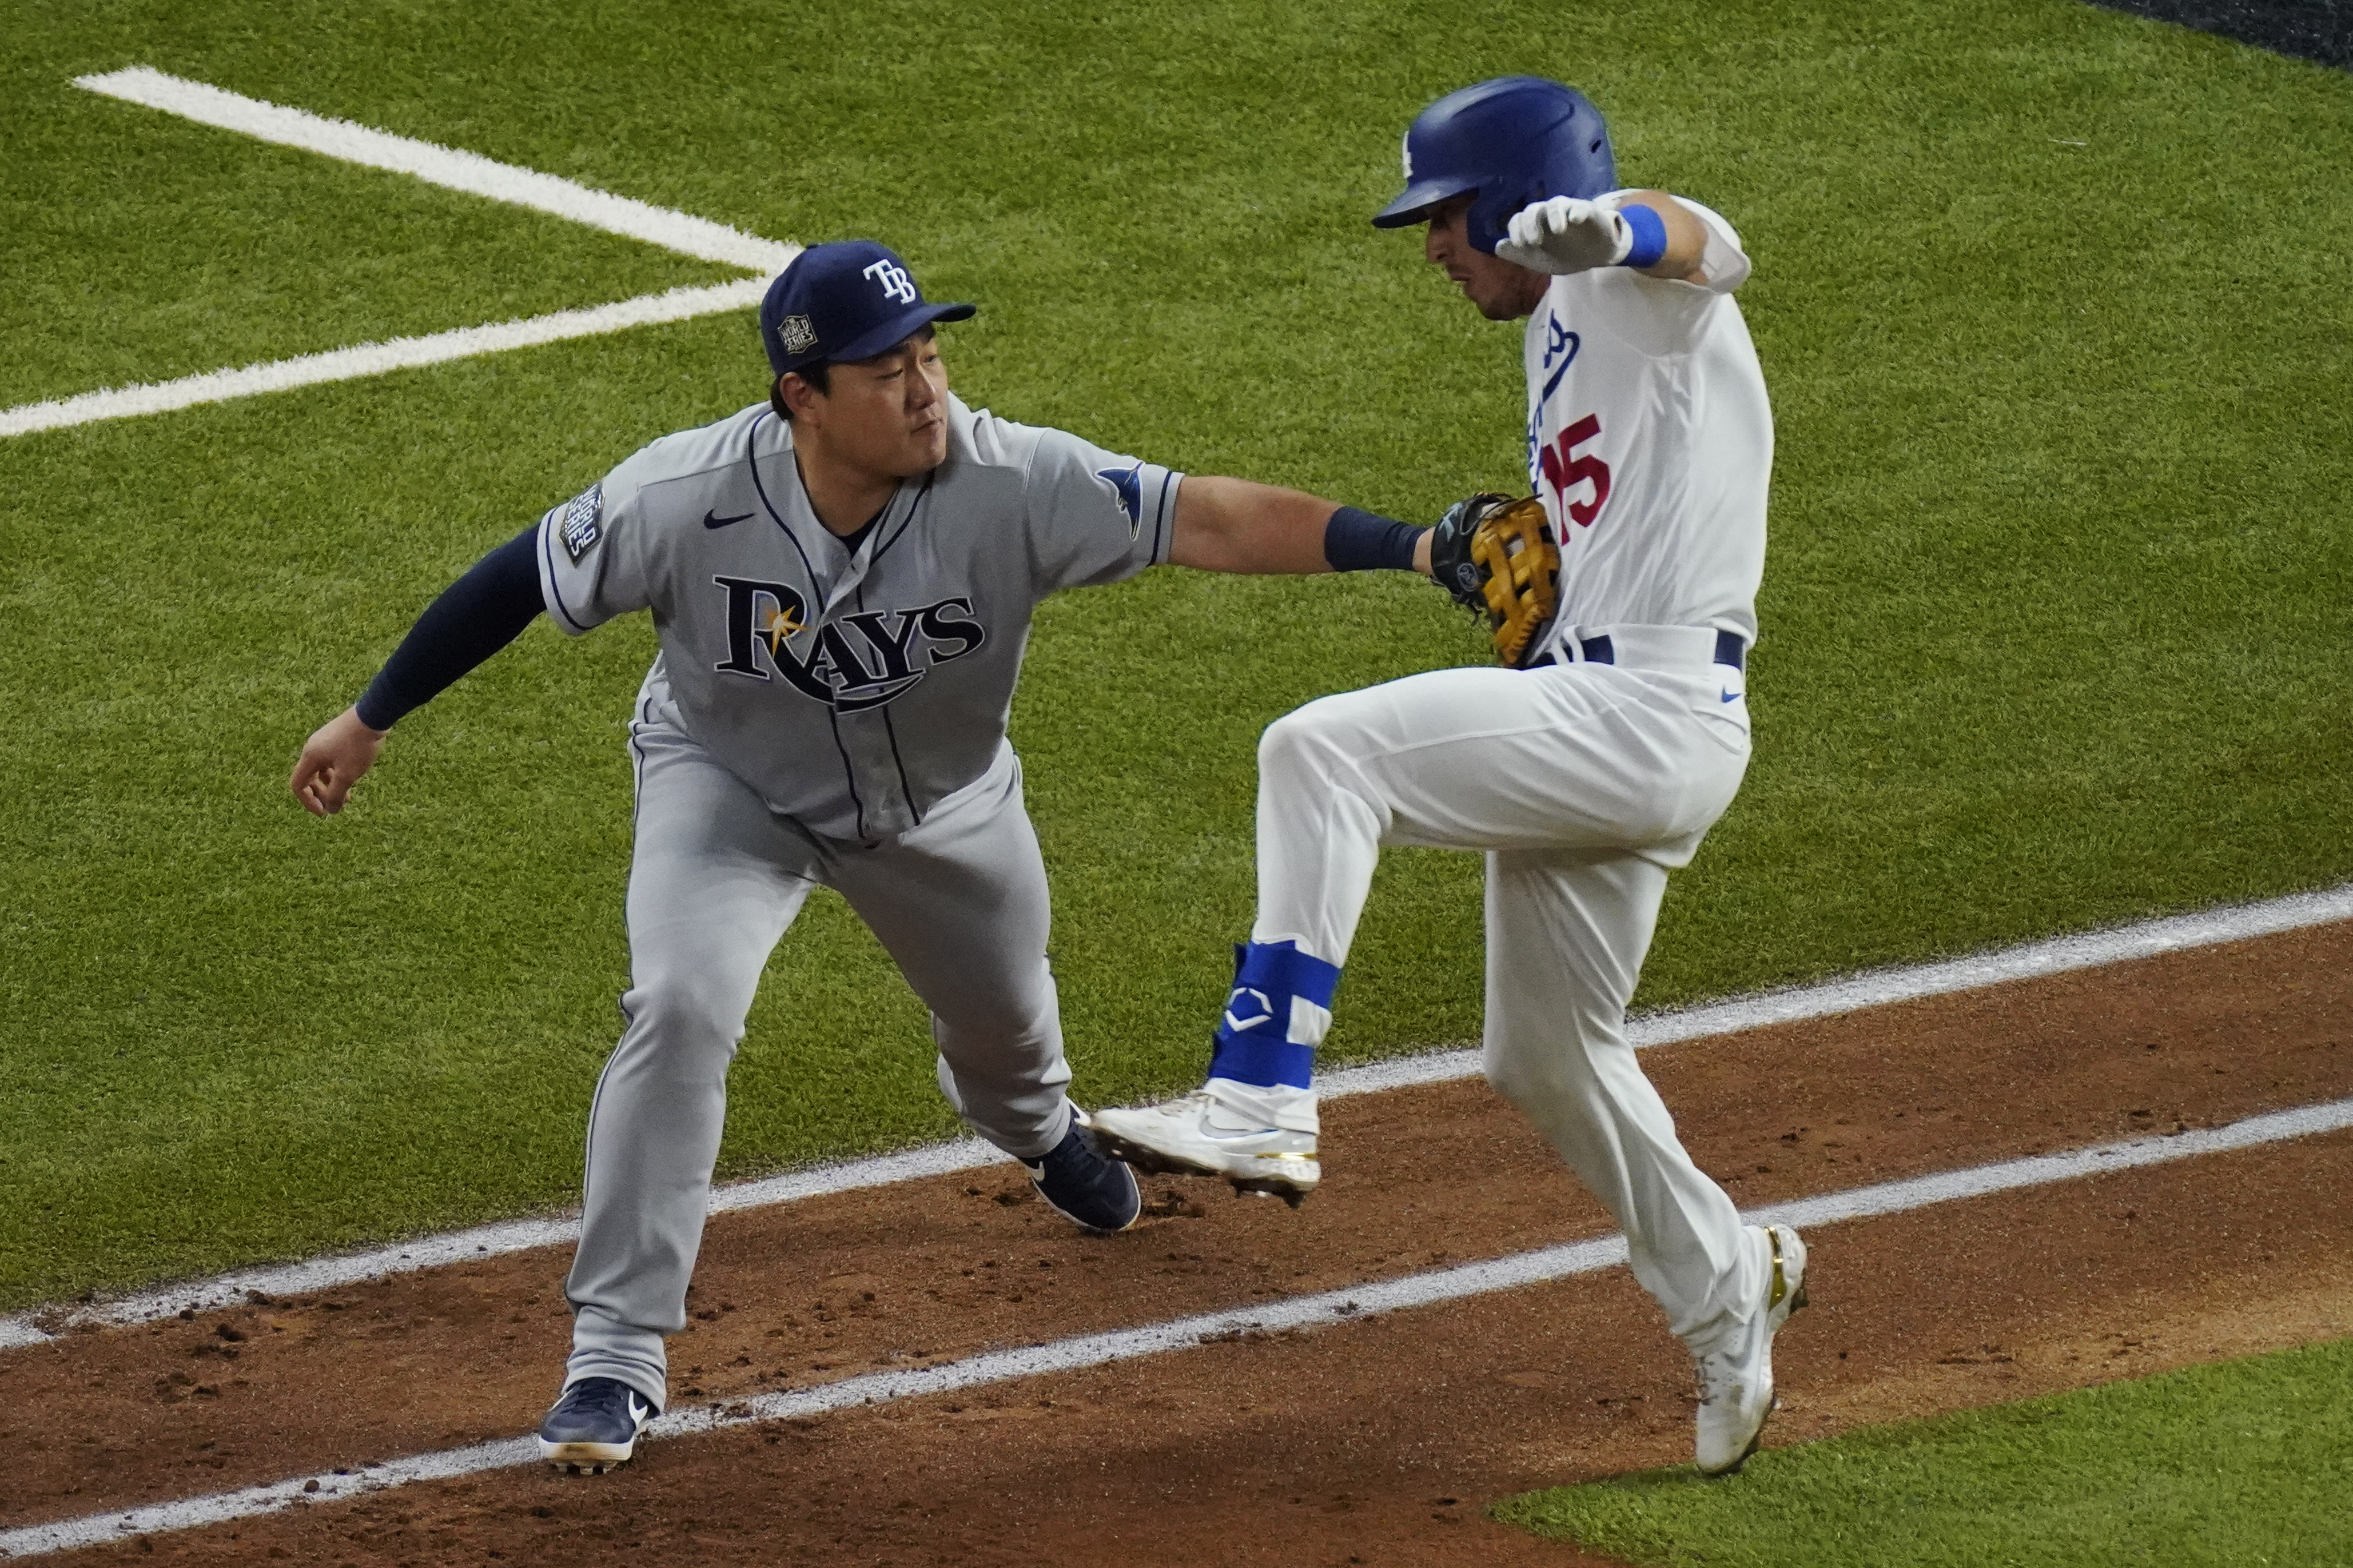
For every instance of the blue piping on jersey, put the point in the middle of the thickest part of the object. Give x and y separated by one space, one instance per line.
1160 516
1575 344
906 790
548 555
904 523
832 714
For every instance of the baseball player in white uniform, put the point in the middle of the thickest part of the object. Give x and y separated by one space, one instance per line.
842 577
1586 773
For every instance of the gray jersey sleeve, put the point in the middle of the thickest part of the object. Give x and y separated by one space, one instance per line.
593 554
1095 516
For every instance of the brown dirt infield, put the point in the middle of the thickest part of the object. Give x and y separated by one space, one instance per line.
1377 1441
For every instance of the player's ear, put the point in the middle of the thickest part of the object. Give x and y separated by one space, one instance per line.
793 394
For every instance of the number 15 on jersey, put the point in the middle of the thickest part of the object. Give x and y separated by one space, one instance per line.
1564 469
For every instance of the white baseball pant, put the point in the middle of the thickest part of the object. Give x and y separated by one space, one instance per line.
1584 783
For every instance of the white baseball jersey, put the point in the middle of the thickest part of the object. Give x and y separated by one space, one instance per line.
852 692
1651 442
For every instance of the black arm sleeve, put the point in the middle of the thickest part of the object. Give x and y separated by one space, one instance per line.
475 616
1360 540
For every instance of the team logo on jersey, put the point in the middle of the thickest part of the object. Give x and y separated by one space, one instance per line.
896 284
1127 489
796 333
1561 344
850 663
580 528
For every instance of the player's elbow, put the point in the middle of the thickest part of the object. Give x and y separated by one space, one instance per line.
1207 535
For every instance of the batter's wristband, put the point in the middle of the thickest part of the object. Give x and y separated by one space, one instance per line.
1360 540
1649 232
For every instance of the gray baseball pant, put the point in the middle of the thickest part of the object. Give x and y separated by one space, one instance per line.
959 901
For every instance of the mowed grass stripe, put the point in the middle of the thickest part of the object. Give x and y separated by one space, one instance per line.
1322 1309
2054 615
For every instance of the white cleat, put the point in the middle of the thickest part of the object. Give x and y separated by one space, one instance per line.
1735 1382
1201 1135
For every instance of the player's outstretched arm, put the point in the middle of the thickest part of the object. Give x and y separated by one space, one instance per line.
1234 525
475 616
332 760
1566 234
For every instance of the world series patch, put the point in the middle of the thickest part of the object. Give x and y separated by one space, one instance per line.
581 515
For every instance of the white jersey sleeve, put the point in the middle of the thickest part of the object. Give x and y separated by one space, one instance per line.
1662 315
593 554
1095 516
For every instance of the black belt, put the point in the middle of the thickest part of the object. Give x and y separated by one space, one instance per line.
1729 649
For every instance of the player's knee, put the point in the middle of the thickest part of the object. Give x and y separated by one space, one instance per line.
1535 1081
1301 744
684 1011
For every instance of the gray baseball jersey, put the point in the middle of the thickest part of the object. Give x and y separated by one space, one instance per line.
852 692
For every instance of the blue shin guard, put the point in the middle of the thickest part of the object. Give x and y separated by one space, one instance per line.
1275 1018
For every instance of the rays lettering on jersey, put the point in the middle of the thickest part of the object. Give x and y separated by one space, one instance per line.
850 663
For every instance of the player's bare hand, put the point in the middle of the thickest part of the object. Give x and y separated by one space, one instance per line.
1567 235
332 760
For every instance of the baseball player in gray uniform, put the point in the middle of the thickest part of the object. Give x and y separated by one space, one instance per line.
842 577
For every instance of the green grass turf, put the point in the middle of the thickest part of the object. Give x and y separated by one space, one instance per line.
2231 1465
2056 607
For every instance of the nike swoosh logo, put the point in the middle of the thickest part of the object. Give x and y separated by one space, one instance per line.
637 1413
711 519
1231 1135
1732 696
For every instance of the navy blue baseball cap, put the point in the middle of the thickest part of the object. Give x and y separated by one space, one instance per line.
849 300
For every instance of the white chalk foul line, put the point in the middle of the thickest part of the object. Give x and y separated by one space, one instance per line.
1085 1351
1874 988
439 166
457 170
1879 987
378 359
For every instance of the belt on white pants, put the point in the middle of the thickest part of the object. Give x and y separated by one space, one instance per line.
1692 650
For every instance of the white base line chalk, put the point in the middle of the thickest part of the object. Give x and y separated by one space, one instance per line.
460 171
446 166
1874 988
378 359
1085 1351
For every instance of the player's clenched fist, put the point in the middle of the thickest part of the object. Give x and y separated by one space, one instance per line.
1567 235
332 760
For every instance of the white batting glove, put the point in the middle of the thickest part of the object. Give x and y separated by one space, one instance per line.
1567 235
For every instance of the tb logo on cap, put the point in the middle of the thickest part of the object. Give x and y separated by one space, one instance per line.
896 284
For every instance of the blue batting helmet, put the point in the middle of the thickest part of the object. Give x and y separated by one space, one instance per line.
1514 140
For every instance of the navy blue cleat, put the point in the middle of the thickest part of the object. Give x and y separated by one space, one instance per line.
1093 1193
594 1425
